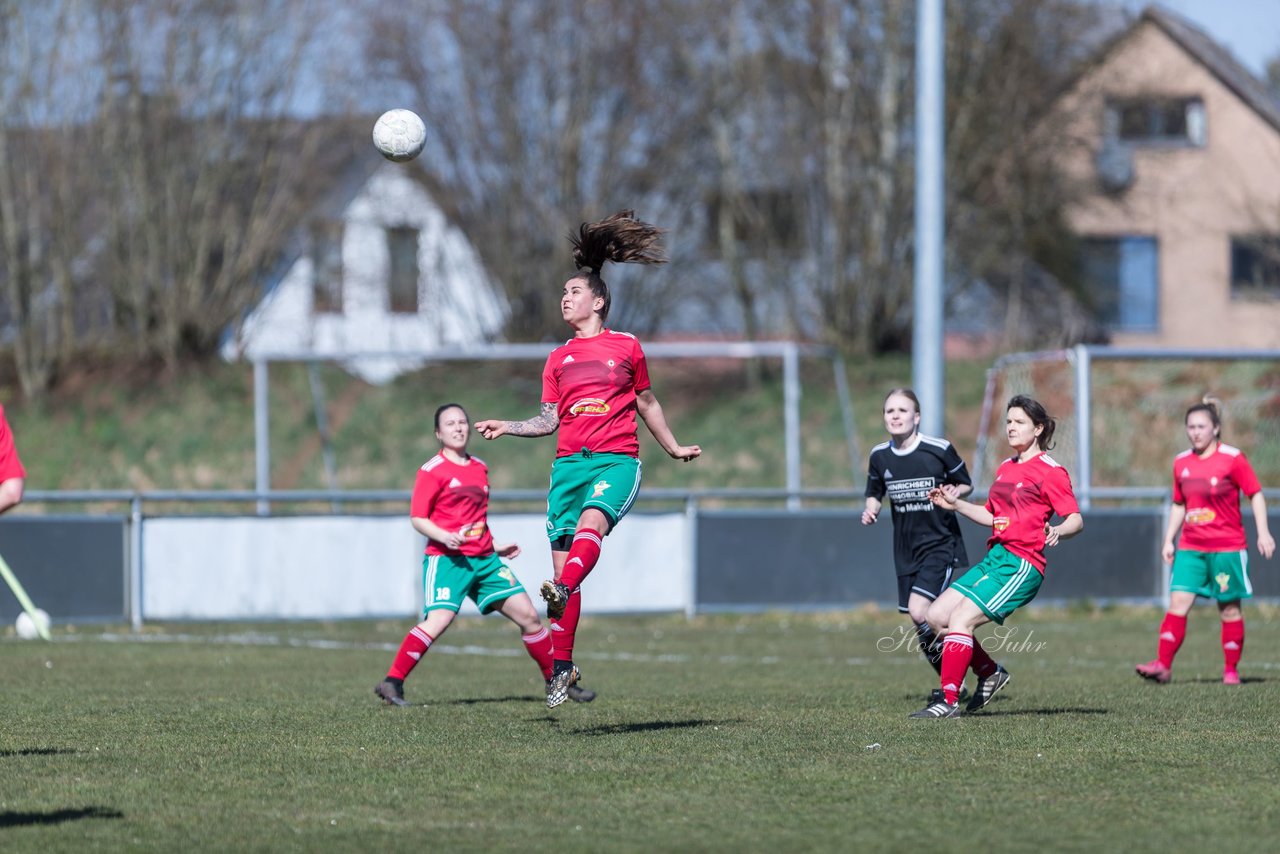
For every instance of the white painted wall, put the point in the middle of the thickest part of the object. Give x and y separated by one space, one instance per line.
228 568
458 304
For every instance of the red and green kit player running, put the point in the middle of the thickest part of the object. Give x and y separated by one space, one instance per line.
592 389
1029 489
1211 559
450 507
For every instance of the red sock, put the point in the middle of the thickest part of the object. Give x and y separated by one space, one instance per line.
983 664
1232 642
1172 632
583 555
565 629
957 652
412 648
539 646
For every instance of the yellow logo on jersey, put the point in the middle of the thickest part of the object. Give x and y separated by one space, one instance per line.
999 523
507 576
589 406
1200 516
1223 580
599 489
475 531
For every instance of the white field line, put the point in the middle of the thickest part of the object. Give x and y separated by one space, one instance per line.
516 651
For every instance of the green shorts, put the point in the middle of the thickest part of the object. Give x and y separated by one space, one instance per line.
449 579
607 482
1215 575
1001 584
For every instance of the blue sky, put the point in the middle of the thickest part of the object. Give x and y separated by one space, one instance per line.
1248 28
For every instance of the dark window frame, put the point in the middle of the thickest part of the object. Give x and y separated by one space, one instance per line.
326 267
1255 266
404 274
1157 121
1105 293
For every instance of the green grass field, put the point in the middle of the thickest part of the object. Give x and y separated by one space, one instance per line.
725 733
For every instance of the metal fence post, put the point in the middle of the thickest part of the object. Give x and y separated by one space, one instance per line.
691 551
261 436
1084 418
791 415
135 562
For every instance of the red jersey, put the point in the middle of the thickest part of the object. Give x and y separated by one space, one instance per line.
1023 498
453 496
10 462
1210 490
594 382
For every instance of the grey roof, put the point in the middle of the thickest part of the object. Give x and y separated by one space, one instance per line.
1218 60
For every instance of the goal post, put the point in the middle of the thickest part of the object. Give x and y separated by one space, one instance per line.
1120 411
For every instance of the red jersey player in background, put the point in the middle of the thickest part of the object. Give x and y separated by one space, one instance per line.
450 507
1029 489
1211 558
592 389
13 476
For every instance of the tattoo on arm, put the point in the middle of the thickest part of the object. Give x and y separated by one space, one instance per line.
541 424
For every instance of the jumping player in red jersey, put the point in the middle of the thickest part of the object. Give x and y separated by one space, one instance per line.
592 389
450 507
13 476
1211 558
1029 489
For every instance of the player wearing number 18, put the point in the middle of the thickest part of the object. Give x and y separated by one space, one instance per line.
450 507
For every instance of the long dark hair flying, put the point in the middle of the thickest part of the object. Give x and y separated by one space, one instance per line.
622 239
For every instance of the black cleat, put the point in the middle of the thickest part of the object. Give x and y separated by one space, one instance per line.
559 685
987 688
556 595
941 709
390 693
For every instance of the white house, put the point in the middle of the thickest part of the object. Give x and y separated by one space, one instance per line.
379 269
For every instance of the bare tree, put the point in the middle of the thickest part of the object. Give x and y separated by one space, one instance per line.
45 167
542 115
208 172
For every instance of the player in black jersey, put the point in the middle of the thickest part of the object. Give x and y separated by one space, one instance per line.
927 545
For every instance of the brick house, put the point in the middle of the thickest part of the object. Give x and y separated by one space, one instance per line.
1180 230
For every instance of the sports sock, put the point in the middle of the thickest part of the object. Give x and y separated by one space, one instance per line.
1232 643
539 646
565 629
983 664
583 555
957 652
1173 630
412 648
929 646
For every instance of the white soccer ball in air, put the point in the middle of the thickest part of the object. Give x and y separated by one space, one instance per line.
399 135
28 628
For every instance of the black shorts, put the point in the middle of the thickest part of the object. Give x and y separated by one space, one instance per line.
933 575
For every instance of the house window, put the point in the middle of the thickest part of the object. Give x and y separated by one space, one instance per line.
403 274
760 221
326 262
1156 121
1255 266
1121 281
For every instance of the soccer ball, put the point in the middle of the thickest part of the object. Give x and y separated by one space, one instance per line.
399 135
28 628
